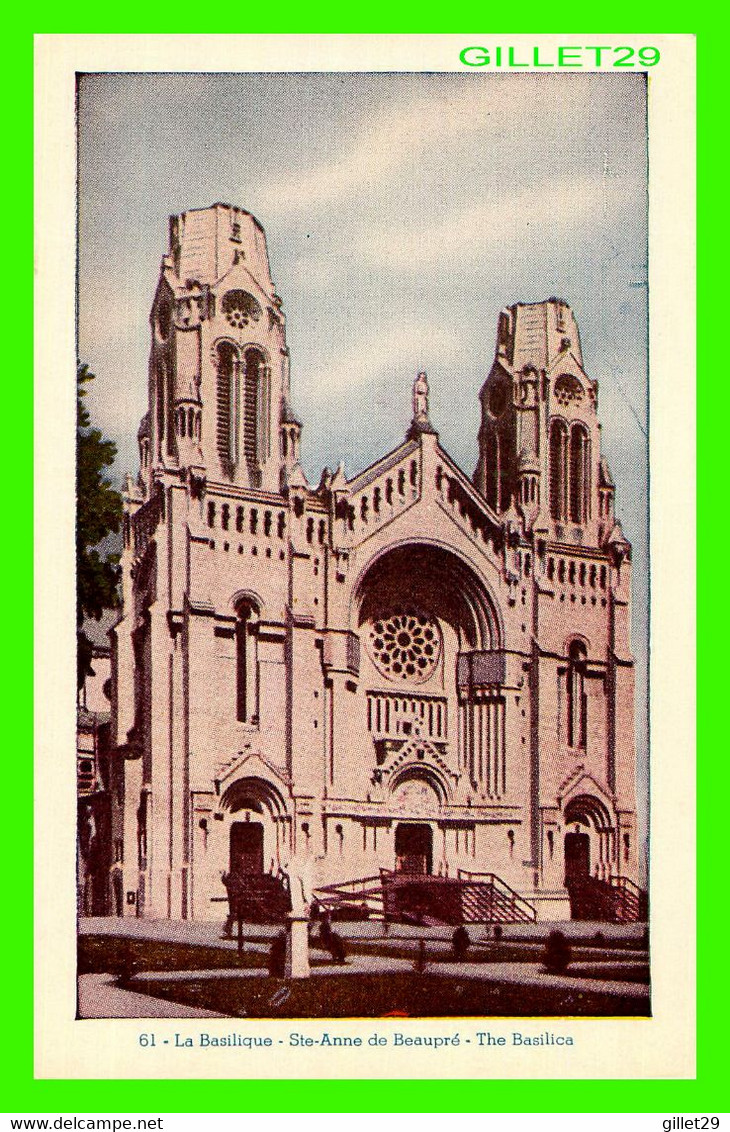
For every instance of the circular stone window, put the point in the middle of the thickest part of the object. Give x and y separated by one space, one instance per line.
240 308
406 645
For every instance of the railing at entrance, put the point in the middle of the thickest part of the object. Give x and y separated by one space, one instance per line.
357 898
257 898
507 906
616 900
630 902
416 898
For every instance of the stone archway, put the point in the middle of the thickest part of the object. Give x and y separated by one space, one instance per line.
433 661
589 839
427 577
255 816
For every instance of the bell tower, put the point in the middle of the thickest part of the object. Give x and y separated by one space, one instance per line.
539 441
219 364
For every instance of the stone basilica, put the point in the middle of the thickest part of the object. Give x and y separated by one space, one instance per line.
408 671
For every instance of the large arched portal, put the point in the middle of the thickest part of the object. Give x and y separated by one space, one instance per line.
433 669
435 581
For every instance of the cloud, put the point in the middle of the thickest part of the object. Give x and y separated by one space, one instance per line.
395 136
399 349
546 211
466 124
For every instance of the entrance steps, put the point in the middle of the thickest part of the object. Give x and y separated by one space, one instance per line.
617 900
258 898
418 898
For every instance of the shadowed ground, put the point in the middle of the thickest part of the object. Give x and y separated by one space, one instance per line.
173 969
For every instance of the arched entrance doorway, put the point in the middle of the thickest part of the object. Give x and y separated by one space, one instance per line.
258 832
413 848
256 840
589 851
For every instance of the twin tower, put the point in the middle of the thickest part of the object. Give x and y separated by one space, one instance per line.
219 365
219 387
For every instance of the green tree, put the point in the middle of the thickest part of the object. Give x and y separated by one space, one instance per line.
98 514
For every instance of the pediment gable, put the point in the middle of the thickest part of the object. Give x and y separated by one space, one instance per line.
398 484
569 363
580 781
417 758
238 277
249 764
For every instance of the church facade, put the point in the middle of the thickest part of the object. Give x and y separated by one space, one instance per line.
405 670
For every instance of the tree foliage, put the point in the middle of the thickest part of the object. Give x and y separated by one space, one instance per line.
98 514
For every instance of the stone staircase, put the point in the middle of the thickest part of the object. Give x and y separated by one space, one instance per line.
617 900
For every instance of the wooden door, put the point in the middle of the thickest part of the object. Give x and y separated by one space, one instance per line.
413 848
577 857
247 848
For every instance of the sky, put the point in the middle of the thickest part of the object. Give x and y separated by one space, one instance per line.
402 212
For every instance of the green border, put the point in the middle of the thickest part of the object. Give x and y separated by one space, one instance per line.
23 1094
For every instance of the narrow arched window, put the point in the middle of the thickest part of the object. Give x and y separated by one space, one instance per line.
246 664
253 405
577 699
161 385
558 468
579 474
225 403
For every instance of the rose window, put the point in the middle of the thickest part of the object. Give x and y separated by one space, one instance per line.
567 389
406 645
240 308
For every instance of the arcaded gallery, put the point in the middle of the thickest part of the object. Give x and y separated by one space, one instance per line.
417 682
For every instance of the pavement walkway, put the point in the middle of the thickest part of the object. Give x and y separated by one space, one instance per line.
100 997
519 974
209 932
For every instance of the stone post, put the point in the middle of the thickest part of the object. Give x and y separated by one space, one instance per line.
297 946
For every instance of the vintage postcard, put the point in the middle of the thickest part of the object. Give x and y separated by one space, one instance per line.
378 344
